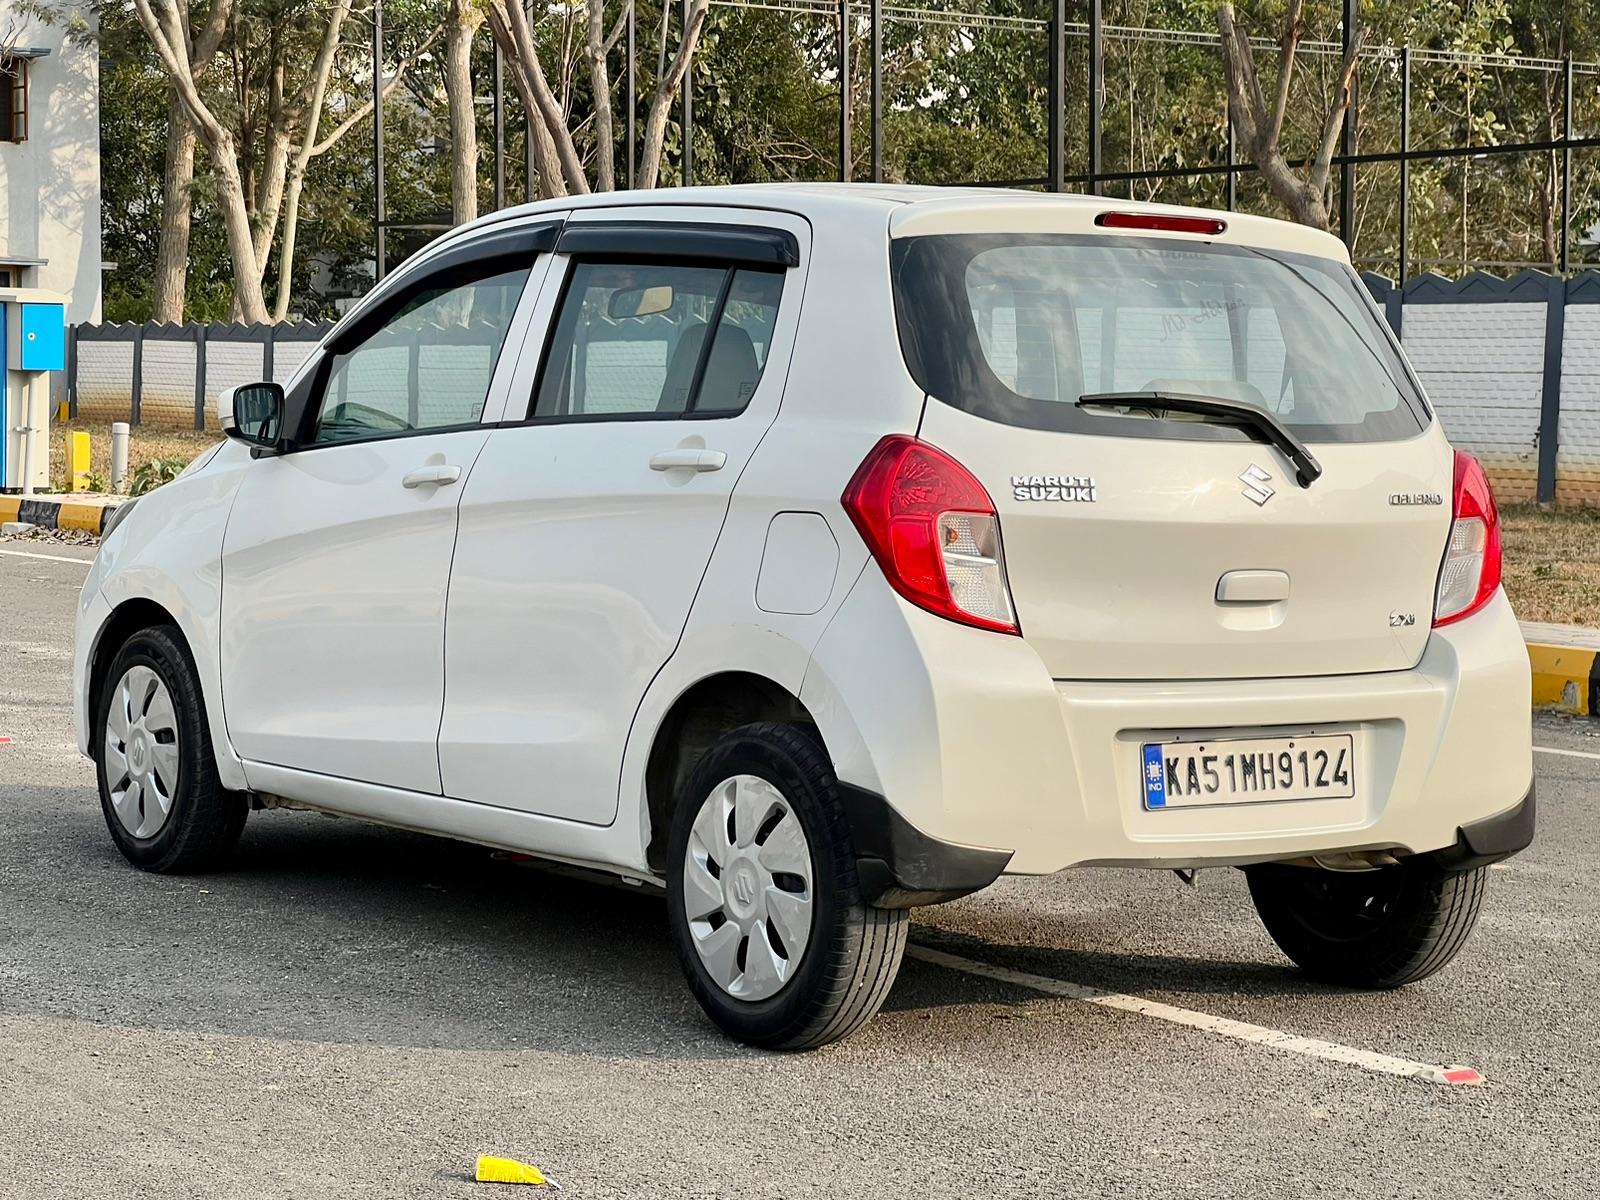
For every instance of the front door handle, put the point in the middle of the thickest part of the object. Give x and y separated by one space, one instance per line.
688 459
441 475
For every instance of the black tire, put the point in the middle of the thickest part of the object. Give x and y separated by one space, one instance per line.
1368 929
205 819
854 950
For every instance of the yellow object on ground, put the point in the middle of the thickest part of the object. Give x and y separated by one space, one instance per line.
508 1170
1565 678
1566 667
78 462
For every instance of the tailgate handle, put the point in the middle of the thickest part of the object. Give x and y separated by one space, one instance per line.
1253 587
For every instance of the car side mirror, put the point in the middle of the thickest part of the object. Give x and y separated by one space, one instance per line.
253 414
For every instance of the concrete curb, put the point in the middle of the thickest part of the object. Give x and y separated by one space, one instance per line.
59 512
1566 667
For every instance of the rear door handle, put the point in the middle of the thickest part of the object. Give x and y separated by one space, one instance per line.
688 459
442 475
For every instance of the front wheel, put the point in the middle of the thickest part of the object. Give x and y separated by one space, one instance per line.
765 905
1368 929
159 791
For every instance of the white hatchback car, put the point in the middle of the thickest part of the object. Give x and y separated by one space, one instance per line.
823 551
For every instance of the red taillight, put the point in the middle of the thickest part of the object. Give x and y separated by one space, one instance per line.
1166 222
1470 574
934 532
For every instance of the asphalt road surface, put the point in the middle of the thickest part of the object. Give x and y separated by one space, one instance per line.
352 1012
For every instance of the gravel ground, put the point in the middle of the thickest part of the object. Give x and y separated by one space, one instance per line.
357 1012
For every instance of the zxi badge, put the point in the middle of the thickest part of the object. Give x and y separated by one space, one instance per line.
1255 484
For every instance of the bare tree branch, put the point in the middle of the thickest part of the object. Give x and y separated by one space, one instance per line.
1293 28
510 27
552 182
1322 164
655 124
1260 128
364 109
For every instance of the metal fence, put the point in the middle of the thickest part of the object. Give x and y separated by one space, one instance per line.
1512 367
168 376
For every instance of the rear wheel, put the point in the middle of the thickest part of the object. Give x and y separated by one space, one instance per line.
765 904
159 791
1368 929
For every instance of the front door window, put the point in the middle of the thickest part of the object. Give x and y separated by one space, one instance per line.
428 368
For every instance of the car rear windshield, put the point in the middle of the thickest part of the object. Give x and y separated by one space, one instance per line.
1015 328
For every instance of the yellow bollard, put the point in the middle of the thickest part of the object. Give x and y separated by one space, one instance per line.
78 461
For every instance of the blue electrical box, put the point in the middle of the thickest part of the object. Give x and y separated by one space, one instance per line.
43 341
33 345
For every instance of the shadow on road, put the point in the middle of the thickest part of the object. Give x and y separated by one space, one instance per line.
333 930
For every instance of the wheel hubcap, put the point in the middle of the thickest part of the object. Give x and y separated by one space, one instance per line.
747 887
141 752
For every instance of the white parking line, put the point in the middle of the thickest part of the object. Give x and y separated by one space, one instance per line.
1566 753
1260 1035
82 562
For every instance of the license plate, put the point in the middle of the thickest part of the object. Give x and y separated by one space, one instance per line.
1249 770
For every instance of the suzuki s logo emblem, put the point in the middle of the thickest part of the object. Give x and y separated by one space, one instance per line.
742 891
1255 484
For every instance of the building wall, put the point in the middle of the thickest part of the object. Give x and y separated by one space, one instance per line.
50 184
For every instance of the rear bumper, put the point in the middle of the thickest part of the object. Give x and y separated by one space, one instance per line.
1491 839
968 738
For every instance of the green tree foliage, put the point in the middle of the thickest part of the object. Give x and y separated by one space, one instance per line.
963 101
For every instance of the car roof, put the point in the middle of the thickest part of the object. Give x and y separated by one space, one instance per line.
917 210
914 210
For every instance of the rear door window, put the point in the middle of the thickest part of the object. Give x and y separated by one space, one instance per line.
658 340
1017 329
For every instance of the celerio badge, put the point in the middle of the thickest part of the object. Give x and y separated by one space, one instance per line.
1255 484
1071 488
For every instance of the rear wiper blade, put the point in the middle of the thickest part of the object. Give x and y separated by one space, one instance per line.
1307 468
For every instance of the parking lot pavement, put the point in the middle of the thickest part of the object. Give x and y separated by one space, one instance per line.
357 1012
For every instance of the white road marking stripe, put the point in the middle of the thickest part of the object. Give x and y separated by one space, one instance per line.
82 562
1367 1060
1565 753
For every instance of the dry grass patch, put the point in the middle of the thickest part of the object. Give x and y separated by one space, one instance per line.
143 445
1552 568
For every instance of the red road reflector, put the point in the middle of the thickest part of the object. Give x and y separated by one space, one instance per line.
5 741
1462 1075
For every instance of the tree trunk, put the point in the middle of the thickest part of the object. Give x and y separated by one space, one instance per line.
1260 125
248 299
177 208
166 33
560 168
1547 214
291 231
655 123
605 150
464 20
